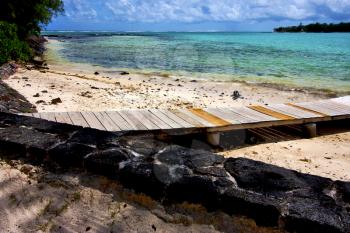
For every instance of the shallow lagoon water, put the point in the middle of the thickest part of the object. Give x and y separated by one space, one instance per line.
319 60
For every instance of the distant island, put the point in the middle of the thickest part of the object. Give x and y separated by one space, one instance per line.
316 27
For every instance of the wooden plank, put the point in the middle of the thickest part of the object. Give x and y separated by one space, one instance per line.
176 119
252 114
292 111
272 113
132 120
215 120
320 109
190 118
139 114
241 118
155 119
306 109
120 121
106 121
333 106
63 117
26 114
49 116
36 115
78 119
343 100
223 115
92 120
166 119
327 108
340 105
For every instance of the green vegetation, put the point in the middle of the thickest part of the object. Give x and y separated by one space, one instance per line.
316 27
11 47
20 19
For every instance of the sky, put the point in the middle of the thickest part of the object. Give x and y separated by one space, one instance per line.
196 15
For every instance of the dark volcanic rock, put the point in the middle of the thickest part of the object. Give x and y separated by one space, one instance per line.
37 44
272 196
264 178
11 100
39 61
96 138
106 162
124 73
345 188
307 204
56 101
8 69
70 154
236 95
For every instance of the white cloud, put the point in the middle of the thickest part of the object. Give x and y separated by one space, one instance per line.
79 9
207 10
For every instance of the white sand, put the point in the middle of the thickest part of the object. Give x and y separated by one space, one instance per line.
326 156
60 203
81 90
32 200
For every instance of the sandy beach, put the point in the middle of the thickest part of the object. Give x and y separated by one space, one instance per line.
80 89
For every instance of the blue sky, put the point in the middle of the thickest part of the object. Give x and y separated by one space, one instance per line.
196 15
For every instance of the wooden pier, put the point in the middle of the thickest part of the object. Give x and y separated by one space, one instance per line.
209 120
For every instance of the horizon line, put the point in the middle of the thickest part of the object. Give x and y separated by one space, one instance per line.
115 31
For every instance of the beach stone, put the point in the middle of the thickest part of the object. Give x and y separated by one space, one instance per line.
69 154
236 95
124 73
23 142
8 69
36 43
38 61
28 137
3 108
12 101
27 169
262 178
345 190
56 101
40 102
106 162
305 196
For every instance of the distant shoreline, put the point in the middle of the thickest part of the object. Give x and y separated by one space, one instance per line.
316 28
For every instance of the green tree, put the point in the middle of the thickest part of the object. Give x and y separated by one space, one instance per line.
20 19
11 47
29 15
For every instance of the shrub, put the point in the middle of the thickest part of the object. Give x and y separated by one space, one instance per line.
11 47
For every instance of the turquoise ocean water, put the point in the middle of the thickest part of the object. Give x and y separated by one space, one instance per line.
320 61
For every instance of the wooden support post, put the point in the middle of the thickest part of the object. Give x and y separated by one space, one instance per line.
213 139
310 130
